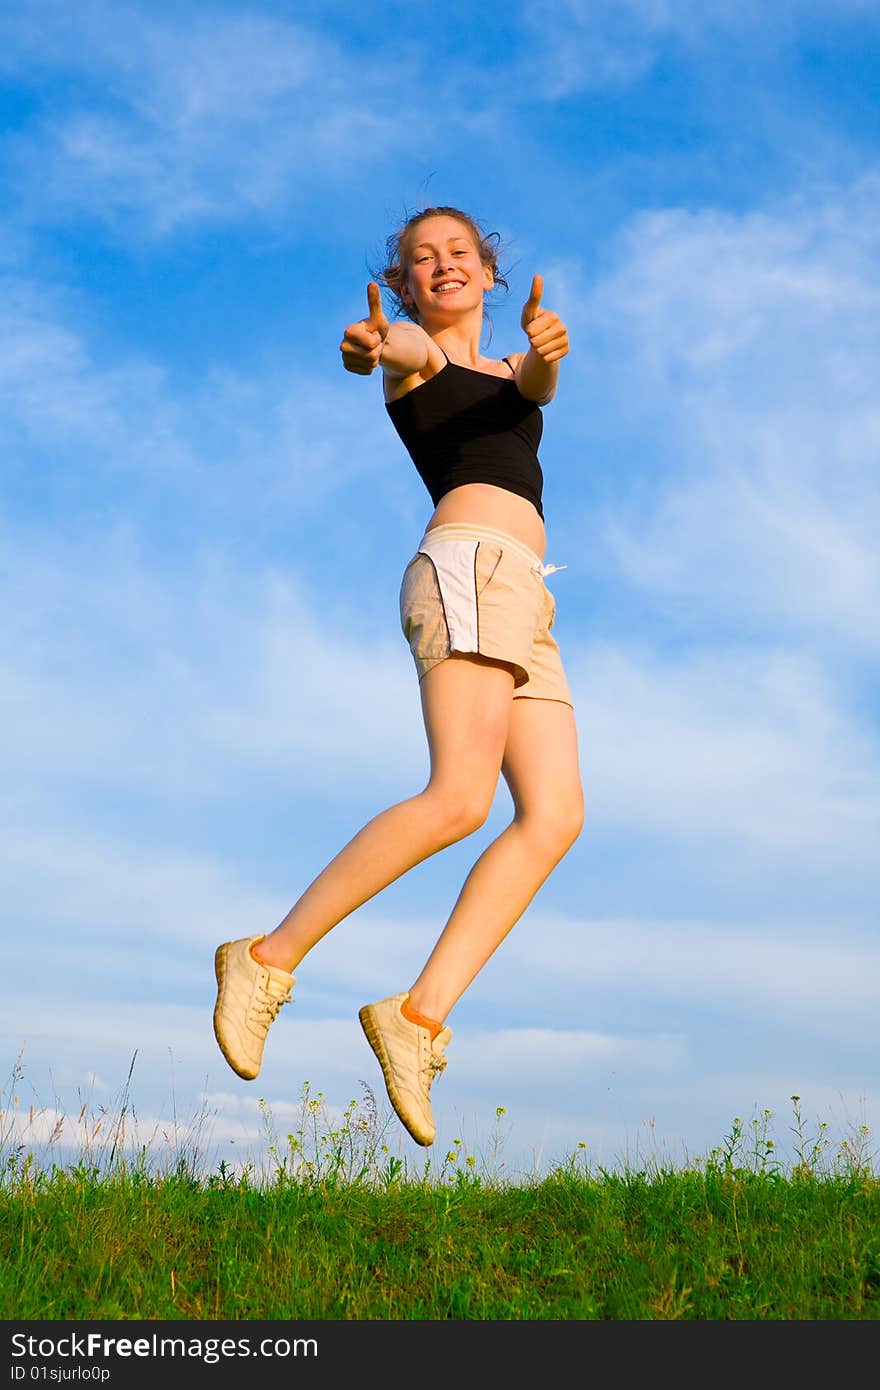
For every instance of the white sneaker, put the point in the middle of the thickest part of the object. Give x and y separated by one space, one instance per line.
249 995
409 1060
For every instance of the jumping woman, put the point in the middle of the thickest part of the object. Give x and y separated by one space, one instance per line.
477 615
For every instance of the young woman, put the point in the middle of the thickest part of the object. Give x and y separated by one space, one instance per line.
477 615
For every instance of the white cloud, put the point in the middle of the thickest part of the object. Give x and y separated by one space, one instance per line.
738 357
753 748
284 438
584 45
566 1053
117 674
52 391
180 117
809 973
175 127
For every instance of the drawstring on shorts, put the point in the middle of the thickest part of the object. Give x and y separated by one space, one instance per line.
450 530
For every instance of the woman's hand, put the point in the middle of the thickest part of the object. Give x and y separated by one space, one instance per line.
362 342
546 332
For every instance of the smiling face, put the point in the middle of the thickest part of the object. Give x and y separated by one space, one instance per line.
444 272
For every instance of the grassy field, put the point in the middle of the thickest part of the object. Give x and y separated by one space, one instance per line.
338 1228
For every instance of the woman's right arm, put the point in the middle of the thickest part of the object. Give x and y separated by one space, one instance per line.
402 348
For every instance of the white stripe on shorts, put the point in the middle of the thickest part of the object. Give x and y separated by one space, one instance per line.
452 547
454 561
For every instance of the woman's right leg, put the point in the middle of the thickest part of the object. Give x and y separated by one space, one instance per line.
466 705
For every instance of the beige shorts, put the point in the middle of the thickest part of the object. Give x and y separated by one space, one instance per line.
472 589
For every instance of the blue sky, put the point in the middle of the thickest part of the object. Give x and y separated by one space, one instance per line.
204 520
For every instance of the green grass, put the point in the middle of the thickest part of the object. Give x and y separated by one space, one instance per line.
337 1227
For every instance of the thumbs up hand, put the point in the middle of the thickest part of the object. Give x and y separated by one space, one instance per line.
547 334
362 342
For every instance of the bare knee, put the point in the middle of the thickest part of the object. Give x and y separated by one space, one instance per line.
555 827
456 814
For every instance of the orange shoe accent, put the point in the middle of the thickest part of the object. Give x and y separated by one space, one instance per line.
422 1020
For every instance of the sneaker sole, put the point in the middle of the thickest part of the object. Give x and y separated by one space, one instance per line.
373 1035
220 958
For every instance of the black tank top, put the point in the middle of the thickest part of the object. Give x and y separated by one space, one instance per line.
465 426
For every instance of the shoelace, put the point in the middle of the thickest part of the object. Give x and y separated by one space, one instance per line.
437 1063
267 1005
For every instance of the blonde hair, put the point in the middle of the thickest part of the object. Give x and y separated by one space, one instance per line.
399 243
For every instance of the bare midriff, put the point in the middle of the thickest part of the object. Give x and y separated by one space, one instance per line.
483 504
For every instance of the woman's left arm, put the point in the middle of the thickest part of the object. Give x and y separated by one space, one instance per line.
537 371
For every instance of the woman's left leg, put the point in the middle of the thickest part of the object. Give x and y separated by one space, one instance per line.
541 769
